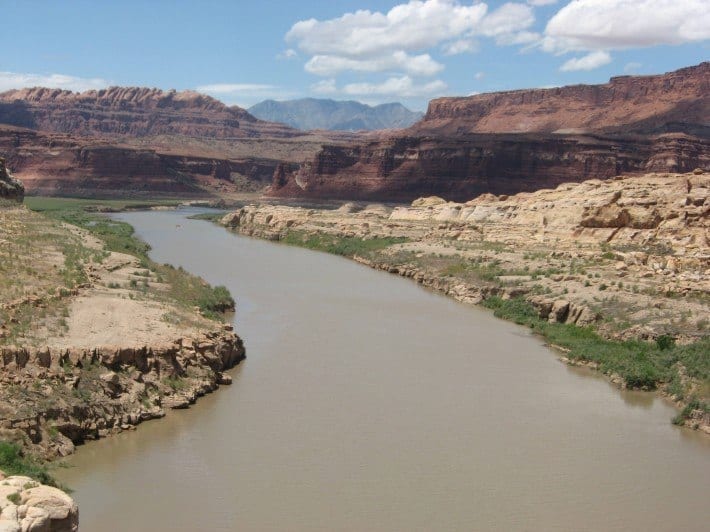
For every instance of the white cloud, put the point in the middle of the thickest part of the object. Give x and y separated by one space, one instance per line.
326 86
372 41
417 65
588 62
14 80
586 25
480 75
541 2
461 46
396 86
507 20
416 25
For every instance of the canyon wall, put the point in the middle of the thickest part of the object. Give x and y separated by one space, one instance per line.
57 164
403 168
516 141
133 112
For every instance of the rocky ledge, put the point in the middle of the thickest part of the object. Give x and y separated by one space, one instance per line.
55 398
27 506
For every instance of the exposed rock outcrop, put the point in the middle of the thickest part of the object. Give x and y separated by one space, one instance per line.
517 141
458 168
73 395
132 111
675 101
27 506
10 188
53 164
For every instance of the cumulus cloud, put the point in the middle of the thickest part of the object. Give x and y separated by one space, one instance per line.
15 80
417 65
402 86
587 62
541 2
587 25
372 41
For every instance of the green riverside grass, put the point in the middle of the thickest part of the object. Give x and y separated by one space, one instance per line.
344 246
13 462
641 364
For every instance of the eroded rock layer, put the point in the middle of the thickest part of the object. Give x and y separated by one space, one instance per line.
509 142
131 111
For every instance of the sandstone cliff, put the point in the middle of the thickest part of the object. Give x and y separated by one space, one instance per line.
26 505
517 141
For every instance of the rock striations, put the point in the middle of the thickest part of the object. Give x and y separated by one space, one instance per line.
131 111
516 141
676 101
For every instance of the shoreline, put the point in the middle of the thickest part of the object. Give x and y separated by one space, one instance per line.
399 242
95 337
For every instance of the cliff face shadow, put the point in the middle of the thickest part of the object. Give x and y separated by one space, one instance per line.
17 113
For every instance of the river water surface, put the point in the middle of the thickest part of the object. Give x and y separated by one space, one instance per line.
369 403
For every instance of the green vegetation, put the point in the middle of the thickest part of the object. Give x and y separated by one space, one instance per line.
208 216
188 290
47 204
344 246
13 462
640 364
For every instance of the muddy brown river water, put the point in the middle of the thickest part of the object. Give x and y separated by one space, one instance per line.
368 403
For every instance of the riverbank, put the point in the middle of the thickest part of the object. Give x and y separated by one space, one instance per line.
614 272
96 338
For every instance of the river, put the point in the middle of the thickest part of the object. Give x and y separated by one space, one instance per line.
367 403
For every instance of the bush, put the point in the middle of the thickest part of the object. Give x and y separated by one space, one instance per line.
13 462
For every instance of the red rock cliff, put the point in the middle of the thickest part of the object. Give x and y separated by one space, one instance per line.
517 141
132 111
677 100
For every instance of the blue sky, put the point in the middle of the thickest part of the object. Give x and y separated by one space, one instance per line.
372 51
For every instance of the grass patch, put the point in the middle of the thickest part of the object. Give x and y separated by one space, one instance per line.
186 289
344 246
47 204
641 364
208 216
14 462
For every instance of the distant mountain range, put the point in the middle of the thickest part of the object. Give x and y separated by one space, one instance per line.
312 113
